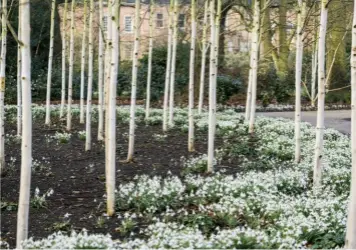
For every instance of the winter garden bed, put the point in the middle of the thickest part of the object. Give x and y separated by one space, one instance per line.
258 198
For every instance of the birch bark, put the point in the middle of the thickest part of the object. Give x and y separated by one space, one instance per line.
26 144
191 77
254 54
134 82
150 48
350 240
168 66
173 66
321 97
90 79
111 111
83 60
71 66
203 57
50 62
64 58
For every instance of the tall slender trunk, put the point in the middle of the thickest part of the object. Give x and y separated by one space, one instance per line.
50 62
168 65
212 111
150 48
26 145
90 79
314 61
350 240
2 83
101 73
321 96
64 55
216 54
19 93
298 79
111 111
134 82
314 70
107 79
203 57
191 78
249 91
254 64
71 65
83 60
173 66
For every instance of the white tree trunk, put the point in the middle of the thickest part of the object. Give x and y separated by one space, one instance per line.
212 111
350 240
173 66
298 79
134 82
50 60
101 73
64 58
107 76
2 84
150 48
254 55
168 65
321 96
203 57
71 65
111 111
90 79
19 91
191 78
249 91
83 60
314 60
26 145
314 70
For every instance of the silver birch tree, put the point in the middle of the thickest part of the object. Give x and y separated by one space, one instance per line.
254 64
321 96
90 79
203 57
168 65
83 60
64 58
26 144
212 111
134 82
2 83
101 73
19 93
71 66
149 69
111 111
173 66
298 79
50 63
191 77
350 240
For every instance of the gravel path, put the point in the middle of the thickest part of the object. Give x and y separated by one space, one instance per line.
337 119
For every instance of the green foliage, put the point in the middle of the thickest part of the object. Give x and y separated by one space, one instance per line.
271 87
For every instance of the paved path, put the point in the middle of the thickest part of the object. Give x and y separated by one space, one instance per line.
337 119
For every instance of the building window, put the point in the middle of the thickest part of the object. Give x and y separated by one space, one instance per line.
105 23
127 51
128 24
181 20
159 20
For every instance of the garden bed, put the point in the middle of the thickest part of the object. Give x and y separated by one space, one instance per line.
257 198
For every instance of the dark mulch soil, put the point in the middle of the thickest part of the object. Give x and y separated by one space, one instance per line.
78 177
